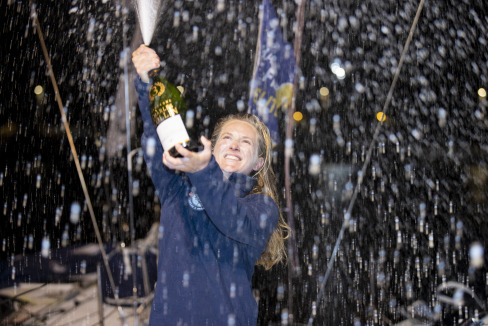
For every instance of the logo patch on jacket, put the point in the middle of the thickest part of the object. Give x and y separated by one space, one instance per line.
195 202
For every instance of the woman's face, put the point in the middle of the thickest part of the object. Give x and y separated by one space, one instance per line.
236 149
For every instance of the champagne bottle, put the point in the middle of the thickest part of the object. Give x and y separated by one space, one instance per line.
168 112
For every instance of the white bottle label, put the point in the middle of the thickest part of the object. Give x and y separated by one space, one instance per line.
172 131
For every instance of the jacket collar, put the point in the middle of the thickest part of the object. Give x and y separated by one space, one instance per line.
243 184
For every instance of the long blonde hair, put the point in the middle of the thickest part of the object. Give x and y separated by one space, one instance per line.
275 251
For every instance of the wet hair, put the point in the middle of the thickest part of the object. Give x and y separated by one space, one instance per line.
265 183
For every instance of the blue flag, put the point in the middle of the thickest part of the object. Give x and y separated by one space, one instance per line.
271 87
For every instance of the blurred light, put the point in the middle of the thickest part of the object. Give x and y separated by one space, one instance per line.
338 70
298 116
181 89
334 67
482 92
38 90
340 73
324 91
380 116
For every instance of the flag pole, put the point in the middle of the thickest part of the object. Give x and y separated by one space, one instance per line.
257 59
274 72
289 136
293 267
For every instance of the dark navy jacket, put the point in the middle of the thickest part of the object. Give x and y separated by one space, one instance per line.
211 235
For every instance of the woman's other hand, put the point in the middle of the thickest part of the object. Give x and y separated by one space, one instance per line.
190 162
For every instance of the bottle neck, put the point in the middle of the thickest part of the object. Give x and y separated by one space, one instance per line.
154 72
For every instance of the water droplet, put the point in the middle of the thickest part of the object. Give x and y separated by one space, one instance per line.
38 181
83 161
289 143
24 202
281 292
218 51
220 5
231 320
314 166
151 146
431 240
315 252
190 118
45 247
195 34
135 188
233 290
476 255
186 279
240 105
31 242
75 210
176 19
65 238
360 88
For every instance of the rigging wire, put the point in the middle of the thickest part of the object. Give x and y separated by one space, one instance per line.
347 215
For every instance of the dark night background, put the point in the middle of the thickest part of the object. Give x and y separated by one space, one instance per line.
422 202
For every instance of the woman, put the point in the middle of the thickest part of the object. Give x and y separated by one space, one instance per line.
218 219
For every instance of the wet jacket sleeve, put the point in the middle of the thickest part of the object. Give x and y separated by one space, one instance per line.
250 219
152 148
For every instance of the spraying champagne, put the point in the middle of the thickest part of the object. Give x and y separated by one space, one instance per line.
147 12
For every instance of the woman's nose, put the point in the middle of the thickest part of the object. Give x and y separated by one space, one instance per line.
234 145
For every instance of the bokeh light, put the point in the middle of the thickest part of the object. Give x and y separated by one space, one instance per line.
38 90
324 91
297 116
381 116
482 92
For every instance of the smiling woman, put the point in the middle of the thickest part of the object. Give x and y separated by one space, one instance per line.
219 218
